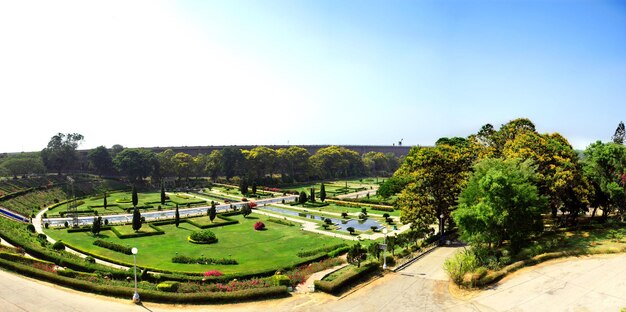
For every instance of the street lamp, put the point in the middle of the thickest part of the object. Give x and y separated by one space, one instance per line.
385 249
441 229
136 294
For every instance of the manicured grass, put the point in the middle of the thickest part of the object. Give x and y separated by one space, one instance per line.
128 229
274 248
119 202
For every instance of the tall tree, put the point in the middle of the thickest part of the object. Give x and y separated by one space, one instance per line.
501 202
96 227
60 153
212 212
100 160
183 164
136 164
166 163
620 132
177 216
136 219
605 165
214 164
438 174
243 187
356 254
17 166
246 210
162 194
322 192
104 201
302 199
312 194
135 197
233 162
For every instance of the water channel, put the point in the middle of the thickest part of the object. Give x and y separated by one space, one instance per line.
342 224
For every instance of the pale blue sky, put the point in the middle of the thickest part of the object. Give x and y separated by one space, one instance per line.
308 72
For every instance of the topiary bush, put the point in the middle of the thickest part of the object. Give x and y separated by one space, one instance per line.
58 245
259 226
30 228
168 286
203 237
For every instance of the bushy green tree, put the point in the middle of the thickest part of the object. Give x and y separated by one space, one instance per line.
60 153
356 254
501 202
302 199
620 132
100 160
246 210
605 165
96 227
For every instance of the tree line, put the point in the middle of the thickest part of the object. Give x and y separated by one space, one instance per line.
261 164
496 184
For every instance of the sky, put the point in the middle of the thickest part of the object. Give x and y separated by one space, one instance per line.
362 72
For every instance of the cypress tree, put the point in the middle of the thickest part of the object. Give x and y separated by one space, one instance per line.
253 187
302 198
105 200
312 194
135 197
323 192
212 212
136 219
177 217
97 226
162 194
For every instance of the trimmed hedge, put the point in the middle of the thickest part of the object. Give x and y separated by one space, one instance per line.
113 246
361 205
148 295
158 231
280 221
229 221
87 229
203 260
309 253
347 279
338 252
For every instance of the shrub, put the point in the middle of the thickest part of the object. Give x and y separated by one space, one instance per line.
58 245
203 237
66 224
344 214
280 221
309 253
281 280
113 246
349 277
90 259
338 252
460 264
203 260
351 230
30 228
168 286
212 273
46 225
386 215
259 226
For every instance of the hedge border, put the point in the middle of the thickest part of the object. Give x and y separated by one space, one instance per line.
148 295
347 279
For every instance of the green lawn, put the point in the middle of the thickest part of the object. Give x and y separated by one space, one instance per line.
119 202
273 248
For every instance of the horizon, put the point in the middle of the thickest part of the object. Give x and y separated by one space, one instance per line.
192 73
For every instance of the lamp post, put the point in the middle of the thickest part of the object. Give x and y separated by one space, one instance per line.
441 229
385 249
136 294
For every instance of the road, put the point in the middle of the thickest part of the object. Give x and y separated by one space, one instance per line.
574 284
